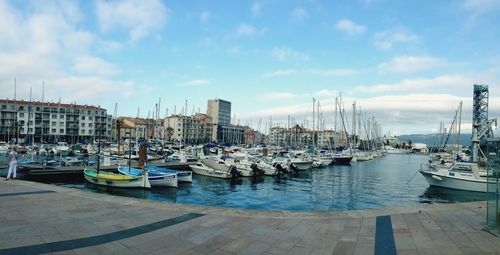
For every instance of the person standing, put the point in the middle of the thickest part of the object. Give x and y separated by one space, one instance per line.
12 163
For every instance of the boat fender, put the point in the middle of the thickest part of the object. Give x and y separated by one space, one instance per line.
438 178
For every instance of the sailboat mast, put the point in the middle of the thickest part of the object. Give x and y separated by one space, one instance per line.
43 97
459 127
314 106
354 122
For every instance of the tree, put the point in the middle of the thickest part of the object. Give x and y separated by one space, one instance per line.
170 132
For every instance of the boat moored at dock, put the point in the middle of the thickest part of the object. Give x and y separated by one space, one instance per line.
111 179
155 178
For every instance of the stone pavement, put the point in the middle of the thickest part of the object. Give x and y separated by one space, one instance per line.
38 218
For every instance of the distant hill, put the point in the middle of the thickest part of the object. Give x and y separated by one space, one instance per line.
431 138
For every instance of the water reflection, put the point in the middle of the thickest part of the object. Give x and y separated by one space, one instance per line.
442 195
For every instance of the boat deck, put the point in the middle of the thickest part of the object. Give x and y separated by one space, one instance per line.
42 218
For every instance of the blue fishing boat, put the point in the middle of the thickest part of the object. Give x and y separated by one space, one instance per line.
182 175
155 178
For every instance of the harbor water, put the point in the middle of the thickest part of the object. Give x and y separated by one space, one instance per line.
379 183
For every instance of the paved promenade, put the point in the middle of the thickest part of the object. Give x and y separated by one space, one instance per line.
38 218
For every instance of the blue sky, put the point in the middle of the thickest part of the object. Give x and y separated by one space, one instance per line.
408 63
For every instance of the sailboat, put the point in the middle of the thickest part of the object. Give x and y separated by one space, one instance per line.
469 176
341 158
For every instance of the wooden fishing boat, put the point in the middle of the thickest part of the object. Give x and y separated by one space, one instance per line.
182 175
157 179
115 180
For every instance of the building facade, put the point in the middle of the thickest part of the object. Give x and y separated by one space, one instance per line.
185 129
220 111
50 122
301 137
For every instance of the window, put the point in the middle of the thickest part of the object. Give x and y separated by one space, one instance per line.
61 116
4 107
82 131
90 131
54 116
61 130
21 108
53 130
83 117
61 123
21 115
54 124
89 112
90 124
38 108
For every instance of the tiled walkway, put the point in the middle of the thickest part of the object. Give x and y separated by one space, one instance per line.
69 221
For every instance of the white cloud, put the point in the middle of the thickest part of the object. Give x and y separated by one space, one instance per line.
299 14
205 17
410 64
332 72
249 30
387 39
256 9
93 88
349 27
478 8
273 96
481 6
138 17
284 54
194 83
409 85
93 65
409 113
279 73
246 30
314 72
326 93
42 45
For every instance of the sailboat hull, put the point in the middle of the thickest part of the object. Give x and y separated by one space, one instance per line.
342 160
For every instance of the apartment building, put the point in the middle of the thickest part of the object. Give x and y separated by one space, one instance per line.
50 122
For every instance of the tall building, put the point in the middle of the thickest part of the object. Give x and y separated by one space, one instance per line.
220 111
50 122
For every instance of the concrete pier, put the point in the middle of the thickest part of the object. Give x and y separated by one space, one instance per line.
38 218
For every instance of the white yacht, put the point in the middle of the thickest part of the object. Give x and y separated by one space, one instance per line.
460 175
4 147
285 159
61 148
203 169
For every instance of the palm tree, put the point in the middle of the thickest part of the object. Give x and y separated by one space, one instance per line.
170 132
118 128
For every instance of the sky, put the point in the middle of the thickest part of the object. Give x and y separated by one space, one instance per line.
406 63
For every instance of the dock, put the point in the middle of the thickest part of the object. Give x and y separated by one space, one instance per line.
42 218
